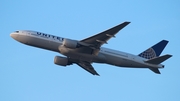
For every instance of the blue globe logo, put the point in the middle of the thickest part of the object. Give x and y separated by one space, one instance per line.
148 54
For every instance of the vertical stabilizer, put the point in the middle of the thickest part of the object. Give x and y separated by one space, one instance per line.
154 51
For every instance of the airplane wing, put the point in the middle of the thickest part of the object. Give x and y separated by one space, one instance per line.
96 42
101 38
88 67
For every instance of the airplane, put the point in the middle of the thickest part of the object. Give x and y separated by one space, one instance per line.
89 50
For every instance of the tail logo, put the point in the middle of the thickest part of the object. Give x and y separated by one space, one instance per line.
148 54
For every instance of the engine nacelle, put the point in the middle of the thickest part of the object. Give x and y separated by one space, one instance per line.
70 43
62 61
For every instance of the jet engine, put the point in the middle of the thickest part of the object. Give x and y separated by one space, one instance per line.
70 43
62 61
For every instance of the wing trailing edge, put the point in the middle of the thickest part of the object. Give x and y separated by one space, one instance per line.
102 38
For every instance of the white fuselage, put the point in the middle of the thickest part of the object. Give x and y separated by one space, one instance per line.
105 55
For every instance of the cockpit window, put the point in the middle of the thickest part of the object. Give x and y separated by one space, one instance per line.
17 31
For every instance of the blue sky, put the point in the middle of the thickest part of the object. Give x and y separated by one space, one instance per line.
29 74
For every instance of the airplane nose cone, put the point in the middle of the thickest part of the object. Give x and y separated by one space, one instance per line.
14 36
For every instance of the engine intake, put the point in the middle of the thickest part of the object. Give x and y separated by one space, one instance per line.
62 61
70 43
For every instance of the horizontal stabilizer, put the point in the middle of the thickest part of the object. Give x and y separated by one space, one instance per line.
155 70
158 60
